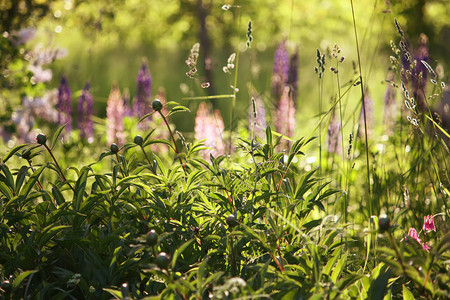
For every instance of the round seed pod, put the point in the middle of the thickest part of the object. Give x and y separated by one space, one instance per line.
114 148
138 140
162 260
152 238
41 139
157 105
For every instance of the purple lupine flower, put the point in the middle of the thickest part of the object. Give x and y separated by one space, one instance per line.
65 104
114 113
141 105
85 110
428 224
280 71
390 107
22 36
211 128
293 76
285 116
368 102
258 117
334 135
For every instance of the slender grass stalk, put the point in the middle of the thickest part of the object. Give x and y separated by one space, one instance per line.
364 111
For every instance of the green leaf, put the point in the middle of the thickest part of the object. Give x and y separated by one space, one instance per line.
339 266
179 251
407 295
178 108
57 135
19 279
12 152
80 187
32 181
117 294
57 195
20 178
6 190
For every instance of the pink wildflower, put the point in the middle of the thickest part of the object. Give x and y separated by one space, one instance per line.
428 224
115 112
285 116
413 234
211 128
426 247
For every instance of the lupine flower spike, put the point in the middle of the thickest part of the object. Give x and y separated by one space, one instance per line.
334 135
85 109
115 112
280 71
211 128
65 104
285 115
428 224
141 104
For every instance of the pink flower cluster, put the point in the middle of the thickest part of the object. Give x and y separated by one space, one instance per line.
428 225
115 112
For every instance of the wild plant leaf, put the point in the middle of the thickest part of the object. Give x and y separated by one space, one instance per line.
6 190
12 152
178 252
31 181
22 276
20 177
339 267
115 293
56 136
79 189
379 285
49 232
407 295
348 280
59 198
8 178
178 108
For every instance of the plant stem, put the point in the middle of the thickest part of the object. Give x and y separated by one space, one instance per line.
364 110
174 141
58 167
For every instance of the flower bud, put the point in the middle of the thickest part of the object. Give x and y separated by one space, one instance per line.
152 238
231 220
114 148
138 140
162 260
157 105
41 139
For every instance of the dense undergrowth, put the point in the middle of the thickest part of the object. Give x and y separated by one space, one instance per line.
154 217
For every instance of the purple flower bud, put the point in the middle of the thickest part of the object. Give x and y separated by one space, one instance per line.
368 103
65 104
85 110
